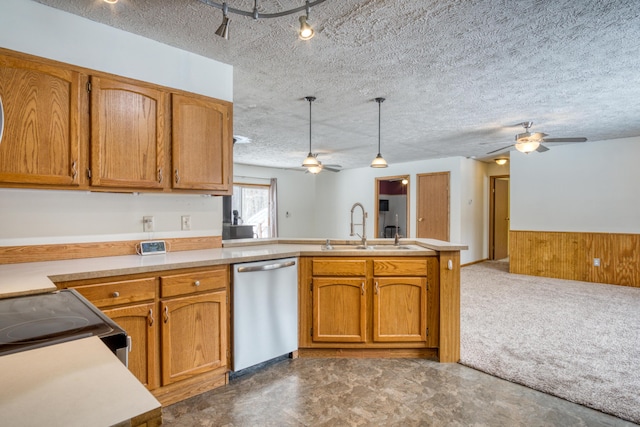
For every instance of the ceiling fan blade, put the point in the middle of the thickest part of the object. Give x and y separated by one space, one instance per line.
565 139
541 148
332 168
501 149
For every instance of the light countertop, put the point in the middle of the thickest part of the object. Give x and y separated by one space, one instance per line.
77 383
39 277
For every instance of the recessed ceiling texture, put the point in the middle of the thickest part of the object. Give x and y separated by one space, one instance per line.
459 76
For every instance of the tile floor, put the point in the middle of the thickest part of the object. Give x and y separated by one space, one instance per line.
377 392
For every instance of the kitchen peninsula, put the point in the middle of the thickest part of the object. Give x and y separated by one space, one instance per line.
428 270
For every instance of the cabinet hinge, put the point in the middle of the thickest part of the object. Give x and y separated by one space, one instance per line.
427 331
311 286
311 331
88 86
88 173
227 299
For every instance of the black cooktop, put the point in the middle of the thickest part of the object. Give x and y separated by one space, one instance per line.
34 321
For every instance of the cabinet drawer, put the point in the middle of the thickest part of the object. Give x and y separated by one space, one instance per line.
188 283
118 293
400 267
339 267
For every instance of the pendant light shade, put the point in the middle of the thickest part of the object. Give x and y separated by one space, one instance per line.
311 160
379 161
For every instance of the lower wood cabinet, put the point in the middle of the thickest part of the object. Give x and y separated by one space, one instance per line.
339 309
140 322
178 324
367 304
399 309
194 335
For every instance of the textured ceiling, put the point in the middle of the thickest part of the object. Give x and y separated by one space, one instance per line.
457 75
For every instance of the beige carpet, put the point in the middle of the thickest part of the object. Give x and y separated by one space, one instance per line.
575 340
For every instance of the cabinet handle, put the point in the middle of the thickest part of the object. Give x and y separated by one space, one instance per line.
377 289
116 294
166 314
362 288
197 283
177 177
160 175
151 319
420 219
74 170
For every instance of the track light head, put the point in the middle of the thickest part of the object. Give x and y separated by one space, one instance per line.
306 31
223 29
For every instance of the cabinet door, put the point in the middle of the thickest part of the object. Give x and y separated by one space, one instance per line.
339 309
399 309
127 134
40 141
194 335
140 322
201 144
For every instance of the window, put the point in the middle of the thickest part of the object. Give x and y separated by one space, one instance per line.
252 203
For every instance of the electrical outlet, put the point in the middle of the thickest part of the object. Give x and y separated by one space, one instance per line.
596 262
147 223
186 222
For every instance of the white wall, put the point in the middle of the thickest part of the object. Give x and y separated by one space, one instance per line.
589 187
45 216
29 27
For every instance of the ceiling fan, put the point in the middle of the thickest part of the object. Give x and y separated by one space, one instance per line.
527 142
320 167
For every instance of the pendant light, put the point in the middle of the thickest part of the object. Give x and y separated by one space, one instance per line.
379 161
311 160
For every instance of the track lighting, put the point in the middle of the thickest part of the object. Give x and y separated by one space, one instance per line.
306 31
379 161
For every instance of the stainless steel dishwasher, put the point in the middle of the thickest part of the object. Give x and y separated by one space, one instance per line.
265 311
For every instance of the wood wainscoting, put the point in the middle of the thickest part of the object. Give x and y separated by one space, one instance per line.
570 255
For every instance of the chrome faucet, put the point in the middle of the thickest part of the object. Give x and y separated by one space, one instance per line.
396 238
364 224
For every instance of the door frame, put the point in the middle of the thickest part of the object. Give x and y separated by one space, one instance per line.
376 231
492 213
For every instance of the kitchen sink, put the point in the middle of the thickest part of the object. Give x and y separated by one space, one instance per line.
371 248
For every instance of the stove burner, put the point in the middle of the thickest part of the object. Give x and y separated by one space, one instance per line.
42 329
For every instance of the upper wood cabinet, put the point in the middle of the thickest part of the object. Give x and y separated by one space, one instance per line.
202 144
41 139
128 134
69 127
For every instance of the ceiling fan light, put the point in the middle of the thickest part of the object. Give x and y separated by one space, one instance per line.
379 162
527 146
310 161
315 169
306 31
501 161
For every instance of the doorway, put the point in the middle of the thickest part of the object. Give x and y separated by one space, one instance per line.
499 217
392 206
433 206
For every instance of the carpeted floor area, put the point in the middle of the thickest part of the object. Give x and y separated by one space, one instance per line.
576 340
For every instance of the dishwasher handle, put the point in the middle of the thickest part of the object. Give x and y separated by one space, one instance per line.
268 267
